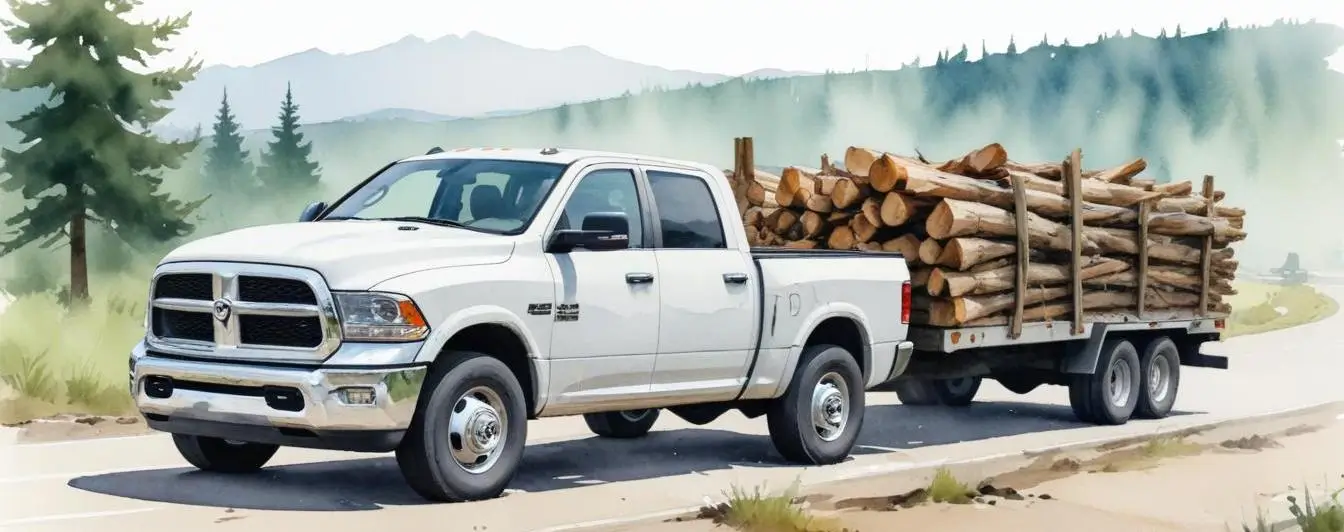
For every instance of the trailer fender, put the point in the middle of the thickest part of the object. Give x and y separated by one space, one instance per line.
1080 356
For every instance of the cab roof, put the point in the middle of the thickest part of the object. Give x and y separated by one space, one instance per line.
556 155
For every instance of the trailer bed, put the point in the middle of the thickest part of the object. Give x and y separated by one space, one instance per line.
952 339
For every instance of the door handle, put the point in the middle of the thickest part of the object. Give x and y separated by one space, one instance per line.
639 278
734 278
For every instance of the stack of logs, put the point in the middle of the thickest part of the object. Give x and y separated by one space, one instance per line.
957 224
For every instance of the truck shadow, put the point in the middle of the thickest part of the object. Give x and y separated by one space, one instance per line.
372 483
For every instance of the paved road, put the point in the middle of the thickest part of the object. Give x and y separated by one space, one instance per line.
569 477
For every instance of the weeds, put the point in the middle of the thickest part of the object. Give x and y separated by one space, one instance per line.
57 359
946 488
755 511
1308 515
1302 304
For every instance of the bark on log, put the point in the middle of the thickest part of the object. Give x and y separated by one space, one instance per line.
948 312
1184 224
1097 300
1122 173
889 173
955 284
1176 189
954 218
1195 205
1093 190
820 203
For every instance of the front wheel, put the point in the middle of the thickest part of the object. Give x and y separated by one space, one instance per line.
624 424
818 418
466 438
223 456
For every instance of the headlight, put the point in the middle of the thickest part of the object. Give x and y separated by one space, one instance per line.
380 317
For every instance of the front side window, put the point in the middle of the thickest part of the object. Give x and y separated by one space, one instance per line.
686 211
489 195
611 190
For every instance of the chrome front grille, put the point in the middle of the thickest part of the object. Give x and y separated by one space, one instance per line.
242 311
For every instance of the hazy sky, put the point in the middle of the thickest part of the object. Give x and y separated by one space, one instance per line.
729 37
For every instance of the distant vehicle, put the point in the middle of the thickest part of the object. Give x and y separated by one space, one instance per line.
1292 271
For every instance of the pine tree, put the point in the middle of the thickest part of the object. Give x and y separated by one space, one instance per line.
286 164
942 58
227 168
1223 25
1012 46
1178 31
961 56
1045 39
96 160
984 50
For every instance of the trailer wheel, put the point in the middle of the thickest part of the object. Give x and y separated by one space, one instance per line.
624 424
466 438
223 456
1161 377
1109 395
949 392
818 418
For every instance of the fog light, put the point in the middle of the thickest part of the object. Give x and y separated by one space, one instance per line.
356 396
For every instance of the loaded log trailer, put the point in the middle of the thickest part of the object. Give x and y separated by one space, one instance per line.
1025 273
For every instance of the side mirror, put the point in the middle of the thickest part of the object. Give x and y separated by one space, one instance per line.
311 212
602 231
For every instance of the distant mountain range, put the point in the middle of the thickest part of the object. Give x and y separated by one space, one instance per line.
469 76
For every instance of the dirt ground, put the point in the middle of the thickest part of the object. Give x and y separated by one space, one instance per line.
1212 481
65 427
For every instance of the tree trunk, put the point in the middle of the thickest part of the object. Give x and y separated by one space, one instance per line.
1196 205
980 162
1093 190
79 261
1122 173
956 284
948 312
888 173
1184 224
907 245
954 218
963 253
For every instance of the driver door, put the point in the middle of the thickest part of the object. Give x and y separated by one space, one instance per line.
606 311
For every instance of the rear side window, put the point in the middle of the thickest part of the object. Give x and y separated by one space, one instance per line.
687 212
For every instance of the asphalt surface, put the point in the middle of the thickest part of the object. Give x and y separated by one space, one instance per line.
570 477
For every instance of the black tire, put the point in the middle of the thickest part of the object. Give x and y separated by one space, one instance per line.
957 392
1161 378
223 456
426 454
914 392
624 424
790 416
1117 375
948 392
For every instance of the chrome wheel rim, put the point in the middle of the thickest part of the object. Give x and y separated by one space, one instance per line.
1119 382
635 416
830 406
1159 379
477 429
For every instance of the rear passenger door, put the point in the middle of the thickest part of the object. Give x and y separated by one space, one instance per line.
707 320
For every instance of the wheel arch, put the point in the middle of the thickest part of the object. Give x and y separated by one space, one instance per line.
835 323
494 331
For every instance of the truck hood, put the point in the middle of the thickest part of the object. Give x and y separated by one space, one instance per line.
351 254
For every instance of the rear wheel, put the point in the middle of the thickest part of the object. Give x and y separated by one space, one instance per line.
1161 377
223 456
623 424
818 419
950 392
466 438
1110 394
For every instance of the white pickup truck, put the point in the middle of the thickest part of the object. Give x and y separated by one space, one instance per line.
446 300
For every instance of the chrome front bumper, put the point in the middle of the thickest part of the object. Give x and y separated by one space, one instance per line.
293 406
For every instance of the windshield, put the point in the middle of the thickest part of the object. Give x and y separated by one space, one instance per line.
490 195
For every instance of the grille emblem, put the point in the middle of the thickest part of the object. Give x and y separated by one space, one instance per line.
221 309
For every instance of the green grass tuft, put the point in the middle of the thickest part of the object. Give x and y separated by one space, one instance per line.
756 511
1254 308
946 488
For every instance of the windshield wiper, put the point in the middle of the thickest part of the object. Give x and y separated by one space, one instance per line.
424 220
341 218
